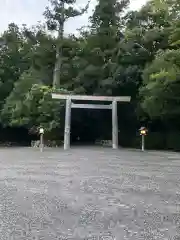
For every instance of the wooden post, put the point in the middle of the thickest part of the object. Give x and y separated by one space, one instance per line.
114 125
41 142
67 129
143 143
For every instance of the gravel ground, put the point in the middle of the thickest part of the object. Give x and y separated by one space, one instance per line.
89 193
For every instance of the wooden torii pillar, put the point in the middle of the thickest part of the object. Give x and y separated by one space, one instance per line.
70 105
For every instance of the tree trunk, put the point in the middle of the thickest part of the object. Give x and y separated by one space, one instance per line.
58 63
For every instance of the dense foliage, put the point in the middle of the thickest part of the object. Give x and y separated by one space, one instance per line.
135 53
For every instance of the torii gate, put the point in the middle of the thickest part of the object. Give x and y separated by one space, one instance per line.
70 105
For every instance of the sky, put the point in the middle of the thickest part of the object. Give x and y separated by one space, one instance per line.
31 11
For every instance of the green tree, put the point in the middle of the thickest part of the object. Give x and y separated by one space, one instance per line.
30 105
161 96
56 17
98 58
15 58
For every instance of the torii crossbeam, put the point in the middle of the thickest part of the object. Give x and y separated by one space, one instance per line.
70 105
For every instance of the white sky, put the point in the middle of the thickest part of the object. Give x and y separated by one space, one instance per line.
30 12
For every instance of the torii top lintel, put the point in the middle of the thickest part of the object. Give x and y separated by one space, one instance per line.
91 98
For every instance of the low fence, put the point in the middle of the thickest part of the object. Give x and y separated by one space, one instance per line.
48 143
36 144
105 143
